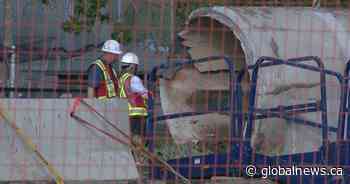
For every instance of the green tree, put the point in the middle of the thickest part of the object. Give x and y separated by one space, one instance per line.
86 14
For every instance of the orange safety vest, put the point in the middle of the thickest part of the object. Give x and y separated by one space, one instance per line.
108 87
137 104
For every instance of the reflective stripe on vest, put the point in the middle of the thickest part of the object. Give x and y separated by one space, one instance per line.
122 80
110 88
134 110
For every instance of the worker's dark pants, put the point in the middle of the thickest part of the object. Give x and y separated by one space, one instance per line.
138 131
138 126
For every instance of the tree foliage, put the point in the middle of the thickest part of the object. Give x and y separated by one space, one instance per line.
86 14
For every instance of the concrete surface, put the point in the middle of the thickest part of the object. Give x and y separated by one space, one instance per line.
77 152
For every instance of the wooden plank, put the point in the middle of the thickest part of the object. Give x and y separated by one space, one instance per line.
188 43
213 65
195 36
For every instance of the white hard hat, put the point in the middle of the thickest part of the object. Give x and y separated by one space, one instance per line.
130 58
112 46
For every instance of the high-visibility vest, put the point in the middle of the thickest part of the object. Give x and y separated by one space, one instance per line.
137 104
109 86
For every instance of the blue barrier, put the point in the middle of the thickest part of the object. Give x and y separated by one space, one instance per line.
240 152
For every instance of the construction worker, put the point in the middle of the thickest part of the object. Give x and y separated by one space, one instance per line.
102 78
131 87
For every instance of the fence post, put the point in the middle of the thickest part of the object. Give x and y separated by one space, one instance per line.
12 74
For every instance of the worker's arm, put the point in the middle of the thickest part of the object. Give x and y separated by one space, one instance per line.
94 78
136 86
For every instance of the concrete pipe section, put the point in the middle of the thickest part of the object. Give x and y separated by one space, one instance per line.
247 33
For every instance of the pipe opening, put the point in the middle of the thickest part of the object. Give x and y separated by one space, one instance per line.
204 86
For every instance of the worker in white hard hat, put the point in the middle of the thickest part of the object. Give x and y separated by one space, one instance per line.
132 88
102 78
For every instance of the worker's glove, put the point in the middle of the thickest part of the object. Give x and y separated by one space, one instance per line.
147 95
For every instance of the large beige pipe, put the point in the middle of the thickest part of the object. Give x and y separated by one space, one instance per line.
247 33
